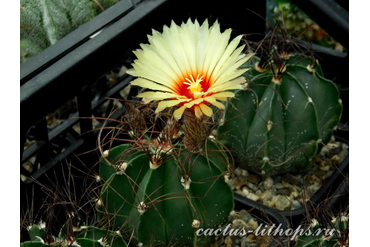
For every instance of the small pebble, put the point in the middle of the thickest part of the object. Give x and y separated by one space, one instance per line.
283 203
253 178
252 186
268 183
289 178
279 186
289 192
284 191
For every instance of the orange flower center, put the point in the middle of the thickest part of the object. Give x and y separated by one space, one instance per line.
193 87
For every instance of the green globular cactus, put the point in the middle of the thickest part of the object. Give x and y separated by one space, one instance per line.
336 235
278 122
164 199
85 236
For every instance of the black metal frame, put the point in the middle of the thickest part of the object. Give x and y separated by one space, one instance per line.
74 63
330 15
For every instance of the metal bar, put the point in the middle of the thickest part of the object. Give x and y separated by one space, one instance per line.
75 144
41 130
76 38
68 123
329 15
84 110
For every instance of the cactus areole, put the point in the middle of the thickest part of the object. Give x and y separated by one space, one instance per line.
280 121
168 204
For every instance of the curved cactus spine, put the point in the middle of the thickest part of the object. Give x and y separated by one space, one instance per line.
318 235
280 120
164 205
86 236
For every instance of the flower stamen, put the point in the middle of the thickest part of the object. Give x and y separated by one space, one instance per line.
194 85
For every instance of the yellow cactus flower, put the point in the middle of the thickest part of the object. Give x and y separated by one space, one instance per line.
189 66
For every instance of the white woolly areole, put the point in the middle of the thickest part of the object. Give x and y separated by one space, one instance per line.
142 208
186 182
121 168
195 224
105 153
153 165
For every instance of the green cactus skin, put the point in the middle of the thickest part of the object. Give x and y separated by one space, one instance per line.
291 122
171 209
86 236
309 237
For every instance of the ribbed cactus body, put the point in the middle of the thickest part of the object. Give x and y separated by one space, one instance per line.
273 126
158 206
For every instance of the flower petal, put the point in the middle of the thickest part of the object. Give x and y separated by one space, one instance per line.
223 95
197 95
197 111
234 84
157 95
172 37
206 110
188 36
161 47
215 48
230 48
213 101
178 113
218 105
151 59
202 45
168 103
229 62
194 102
151 85
144 68
231 72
